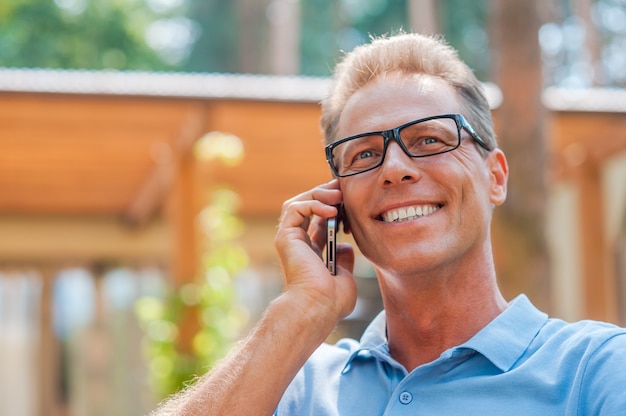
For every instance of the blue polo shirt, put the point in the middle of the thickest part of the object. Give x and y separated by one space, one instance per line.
522 363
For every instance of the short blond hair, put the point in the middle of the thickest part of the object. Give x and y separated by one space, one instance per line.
411 54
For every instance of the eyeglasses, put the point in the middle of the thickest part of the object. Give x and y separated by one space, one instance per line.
419 138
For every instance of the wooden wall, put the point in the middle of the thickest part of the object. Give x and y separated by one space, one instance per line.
86 178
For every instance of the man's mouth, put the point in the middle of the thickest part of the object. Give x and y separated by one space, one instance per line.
409 213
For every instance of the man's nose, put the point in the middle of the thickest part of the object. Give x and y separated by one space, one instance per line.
397 165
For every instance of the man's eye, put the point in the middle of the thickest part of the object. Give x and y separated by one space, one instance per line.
364 155
431 140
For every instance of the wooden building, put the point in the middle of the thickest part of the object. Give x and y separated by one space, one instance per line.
587 213
97 171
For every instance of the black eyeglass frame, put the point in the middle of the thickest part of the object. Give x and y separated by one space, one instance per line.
394 134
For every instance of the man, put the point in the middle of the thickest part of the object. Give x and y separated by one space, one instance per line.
410 140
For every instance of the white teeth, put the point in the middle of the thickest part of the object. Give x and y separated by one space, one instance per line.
408 213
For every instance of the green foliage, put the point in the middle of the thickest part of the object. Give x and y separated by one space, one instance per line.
465 27
233 36
217 46
210 301
100 35
112 33
330 27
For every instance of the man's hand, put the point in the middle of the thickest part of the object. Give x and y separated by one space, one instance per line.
300 239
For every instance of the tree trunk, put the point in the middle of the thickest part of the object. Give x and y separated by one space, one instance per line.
423 16
253 36
519 228
284 23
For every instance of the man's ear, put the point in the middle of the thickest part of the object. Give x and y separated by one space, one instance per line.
498 175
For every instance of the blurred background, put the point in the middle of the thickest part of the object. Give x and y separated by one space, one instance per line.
146 147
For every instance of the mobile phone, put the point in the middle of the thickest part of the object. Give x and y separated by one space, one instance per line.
331 244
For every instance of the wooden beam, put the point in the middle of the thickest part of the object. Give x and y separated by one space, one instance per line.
613 145
580 137
152 192
49 403
182 200
599 285
59 110
36 239
183 205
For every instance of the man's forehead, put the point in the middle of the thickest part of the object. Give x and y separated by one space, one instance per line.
393 100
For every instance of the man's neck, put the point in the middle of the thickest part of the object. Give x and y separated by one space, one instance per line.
423 322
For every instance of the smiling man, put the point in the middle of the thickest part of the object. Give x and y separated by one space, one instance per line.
418 172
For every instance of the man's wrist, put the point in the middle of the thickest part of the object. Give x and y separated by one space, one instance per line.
310 319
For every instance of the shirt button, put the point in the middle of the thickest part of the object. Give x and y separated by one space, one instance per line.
406 397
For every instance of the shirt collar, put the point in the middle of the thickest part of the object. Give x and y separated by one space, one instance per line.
502 341
507 337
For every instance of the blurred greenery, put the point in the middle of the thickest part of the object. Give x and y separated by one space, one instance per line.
332 26
210 302
216 47
233 36
208 305
91 35
197 35
466 29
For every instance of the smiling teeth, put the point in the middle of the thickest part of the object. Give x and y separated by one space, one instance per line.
409 213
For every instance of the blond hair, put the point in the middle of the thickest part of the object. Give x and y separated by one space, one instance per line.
407 53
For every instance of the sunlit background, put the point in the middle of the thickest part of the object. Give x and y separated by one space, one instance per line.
202 116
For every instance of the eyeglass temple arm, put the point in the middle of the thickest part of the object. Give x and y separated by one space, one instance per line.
474 135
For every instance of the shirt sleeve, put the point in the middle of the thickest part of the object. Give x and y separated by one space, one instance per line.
603 388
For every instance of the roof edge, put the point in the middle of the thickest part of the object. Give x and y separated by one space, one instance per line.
165 84
597 99
294 88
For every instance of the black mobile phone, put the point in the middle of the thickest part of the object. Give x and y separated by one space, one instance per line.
331 244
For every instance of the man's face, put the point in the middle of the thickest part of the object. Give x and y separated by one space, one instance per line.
453 191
